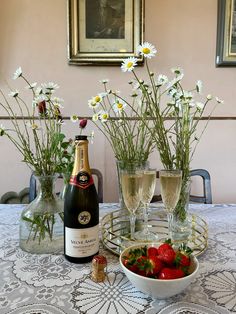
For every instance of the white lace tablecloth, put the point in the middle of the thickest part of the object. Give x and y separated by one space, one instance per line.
48 284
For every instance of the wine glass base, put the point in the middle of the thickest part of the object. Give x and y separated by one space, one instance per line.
145 236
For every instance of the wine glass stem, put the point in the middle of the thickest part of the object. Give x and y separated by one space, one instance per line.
132 225
145 218
170 222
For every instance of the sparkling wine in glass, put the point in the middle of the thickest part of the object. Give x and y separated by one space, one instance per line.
131 181
170 181
148 188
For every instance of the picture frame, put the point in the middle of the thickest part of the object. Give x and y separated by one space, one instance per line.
104 32
226 33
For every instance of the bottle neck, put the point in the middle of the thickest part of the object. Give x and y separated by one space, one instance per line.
81 158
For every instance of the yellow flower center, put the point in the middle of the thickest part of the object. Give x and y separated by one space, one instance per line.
129 64
97 98
146 51
105 116
119 106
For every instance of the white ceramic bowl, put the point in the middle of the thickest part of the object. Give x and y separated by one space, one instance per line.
159 288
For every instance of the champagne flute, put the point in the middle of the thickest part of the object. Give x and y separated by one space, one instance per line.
131 183
170 181
148 188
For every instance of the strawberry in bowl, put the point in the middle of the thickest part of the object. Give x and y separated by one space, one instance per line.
159 270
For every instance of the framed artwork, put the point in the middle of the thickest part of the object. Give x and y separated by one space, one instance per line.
226 33
104 31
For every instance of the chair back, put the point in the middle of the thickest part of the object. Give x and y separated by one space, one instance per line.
206 198
95 173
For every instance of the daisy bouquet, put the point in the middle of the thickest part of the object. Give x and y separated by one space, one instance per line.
175 114
36 129
117 118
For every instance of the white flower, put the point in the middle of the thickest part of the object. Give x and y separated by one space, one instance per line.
95 117
219 100
74 118
161 80
119 106
177 70
200 105
95 101
57 102
209 97
50 86
104 81
39 90
2 130
31 85
188 95
147 50
174 81
199 86
129 64
103 116
14 93
38 99
17 73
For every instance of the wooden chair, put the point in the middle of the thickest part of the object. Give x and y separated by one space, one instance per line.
95 173
206 198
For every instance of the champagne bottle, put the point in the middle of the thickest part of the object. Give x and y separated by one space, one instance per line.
81 209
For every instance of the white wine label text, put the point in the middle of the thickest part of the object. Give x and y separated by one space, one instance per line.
81 242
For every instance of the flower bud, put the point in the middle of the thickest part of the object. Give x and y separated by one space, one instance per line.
42 107
83 123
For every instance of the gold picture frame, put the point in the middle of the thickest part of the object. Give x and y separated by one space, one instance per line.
104 32
226 33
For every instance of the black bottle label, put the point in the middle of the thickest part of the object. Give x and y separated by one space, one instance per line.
82 180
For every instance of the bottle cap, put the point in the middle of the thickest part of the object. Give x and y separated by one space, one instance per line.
80 137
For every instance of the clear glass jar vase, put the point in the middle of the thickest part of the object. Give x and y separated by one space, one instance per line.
181 227
41 222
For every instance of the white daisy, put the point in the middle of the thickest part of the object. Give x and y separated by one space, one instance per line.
219 100
50 86
209 97
103 116
119 106
129 64
39 90
188 95
161 80
39 99
14 93
177 70
95 117
104 81
31 85
147 50
95 101
74 118
200 106
17 73
199 86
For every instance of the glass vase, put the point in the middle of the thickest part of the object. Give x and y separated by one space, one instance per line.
66 180
41 222
181 228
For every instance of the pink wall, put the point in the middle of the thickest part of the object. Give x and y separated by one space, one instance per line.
33 35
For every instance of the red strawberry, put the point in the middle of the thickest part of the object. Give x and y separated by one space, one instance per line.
152 251
182 259
170 273
163 247
167 256
157 264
